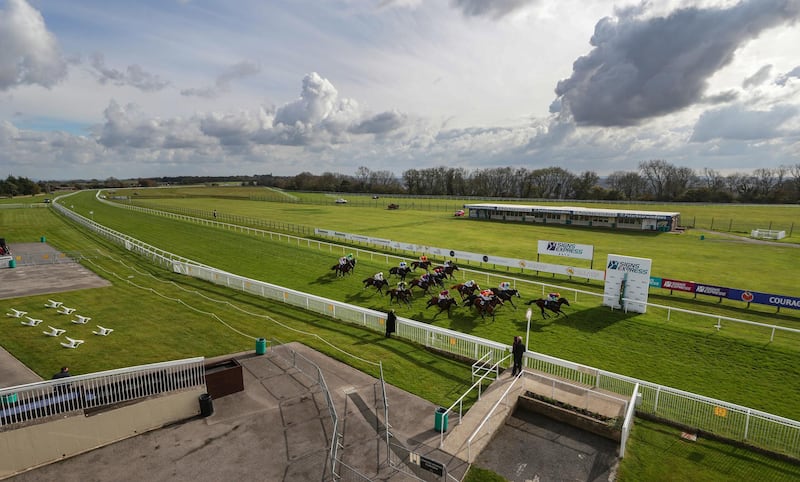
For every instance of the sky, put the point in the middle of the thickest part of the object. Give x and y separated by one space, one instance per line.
92 89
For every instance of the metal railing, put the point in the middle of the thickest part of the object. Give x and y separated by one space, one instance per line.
504 399
463 272
627 425
764 430
40 400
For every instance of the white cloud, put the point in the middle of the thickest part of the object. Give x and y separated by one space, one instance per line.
29 53
134 75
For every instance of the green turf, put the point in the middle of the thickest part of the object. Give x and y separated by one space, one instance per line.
657 453
683 353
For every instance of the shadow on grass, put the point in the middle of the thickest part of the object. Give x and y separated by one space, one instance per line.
592 320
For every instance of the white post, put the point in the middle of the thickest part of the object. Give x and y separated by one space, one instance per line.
528 329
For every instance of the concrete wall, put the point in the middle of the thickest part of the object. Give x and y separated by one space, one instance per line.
44 443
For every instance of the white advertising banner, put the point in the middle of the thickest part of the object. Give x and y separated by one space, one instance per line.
445 253
570 250
627 283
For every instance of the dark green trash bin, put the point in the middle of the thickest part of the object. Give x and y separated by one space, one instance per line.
261 346
12 263
206 405
43 239
440 420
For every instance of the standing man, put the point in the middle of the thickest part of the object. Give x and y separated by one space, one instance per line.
391 324
517 350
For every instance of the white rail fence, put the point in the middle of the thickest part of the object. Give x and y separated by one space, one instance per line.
25 403
491 279
761 429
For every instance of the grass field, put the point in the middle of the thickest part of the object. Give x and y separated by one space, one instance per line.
682 353
694 358
734 218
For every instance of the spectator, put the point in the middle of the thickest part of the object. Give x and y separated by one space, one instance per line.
517 349
391 324
64 373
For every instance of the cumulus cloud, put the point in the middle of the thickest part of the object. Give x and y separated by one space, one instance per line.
794 73
29 53
758 78
647 67
134 75
738 123
490 8
237 71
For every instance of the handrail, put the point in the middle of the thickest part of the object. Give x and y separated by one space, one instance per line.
489 415
628 424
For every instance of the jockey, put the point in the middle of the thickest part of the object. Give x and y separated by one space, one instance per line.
378 276
554 296
487 294
423 259
349 256
448 263
401 286
426 278
438 271
343 261
444 294
505 285
403 265
470 283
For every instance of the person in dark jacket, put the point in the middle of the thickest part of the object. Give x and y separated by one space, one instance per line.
391 324
517 350
64 373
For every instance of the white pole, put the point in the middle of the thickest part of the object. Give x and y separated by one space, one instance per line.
528 330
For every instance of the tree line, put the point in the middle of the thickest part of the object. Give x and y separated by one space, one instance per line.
655 180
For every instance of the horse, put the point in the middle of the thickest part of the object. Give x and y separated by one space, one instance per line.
484 306
402 296
448 270
379 284
465 290
418 283
506 295
400 272
554 306
442 304
343 269
421 264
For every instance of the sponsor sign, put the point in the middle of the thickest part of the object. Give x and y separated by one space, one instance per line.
570 250
627 283
711 290
671 284
655 282
764 298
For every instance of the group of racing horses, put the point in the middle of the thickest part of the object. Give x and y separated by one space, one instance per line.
485 301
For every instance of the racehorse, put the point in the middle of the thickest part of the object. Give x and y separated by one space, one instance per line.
448 270
465 290
379 284
421 264
506 295
343 269
401 272
484 306
418 283
554 306
402 296
443 305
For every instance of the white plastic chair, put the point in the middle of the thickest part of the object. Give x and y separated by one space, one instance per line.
103 331
53 304
81 320
31 321
16 313
54 331
65 311
71 343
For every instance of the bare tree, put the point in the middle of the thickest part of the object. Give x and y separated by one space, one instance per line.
582 184
629 184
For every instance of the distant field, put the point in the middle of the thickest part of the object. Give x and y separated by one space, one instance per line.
733 218
684 352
